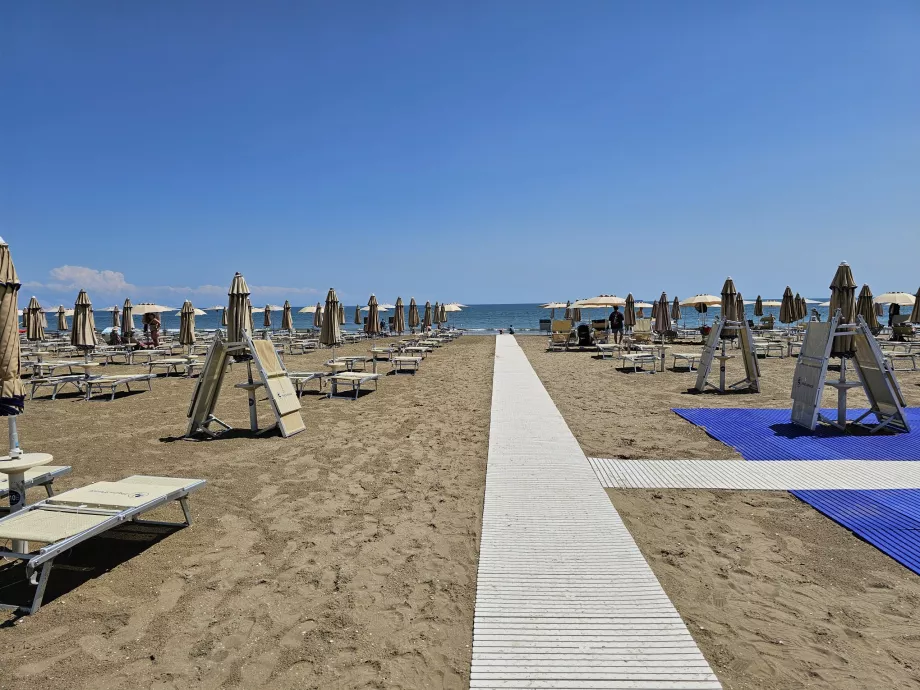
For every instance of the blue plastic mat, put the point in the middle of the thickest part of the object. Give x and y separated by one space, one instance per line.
889 520
771 435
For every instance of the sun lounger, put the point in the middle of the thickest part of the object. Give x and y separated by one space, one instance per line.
62 522
355 378
43 369
419 350
609 349
560 334
893 357
430 342
111 383
55 383
301 378
43 476
403 363
691 359
765 347
350 362
172 364
382 353
638 361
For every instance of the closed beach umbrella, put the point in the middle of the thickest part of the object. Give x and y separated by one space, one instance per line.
675 310
187 324
654 311
758 306
413 314
729 301
372 325
12 395
318 316
800 309
629 314
267 316
443 313
662 317
83 335
915 312
865 307
739 307
436 314
843 294
34 327
62 319
250 326
330 333
879 309
287 321
127 319
787 307
426 319
341 314
116 317
237 313
358 320
399 317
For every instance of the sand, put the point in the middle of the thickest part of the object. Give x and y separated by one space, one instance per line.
343 557
776 595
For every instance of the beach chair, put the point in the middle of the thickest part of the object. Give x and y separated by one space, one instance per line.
301 378
642 331
599 330
63 521
355 378
638 361
690 359
55 383
42 476
111 383
560 333
404 363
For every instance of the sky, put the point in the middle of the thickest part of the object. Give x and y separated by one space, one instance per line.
483 152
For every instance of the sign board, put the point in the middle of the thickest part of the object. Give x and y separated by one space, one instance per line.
811 371
709 351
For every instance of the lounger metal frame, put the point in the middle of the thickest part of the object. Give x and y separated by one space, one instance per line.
39 564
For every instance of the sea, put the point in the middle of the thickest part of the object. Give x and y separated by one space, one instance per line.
475 318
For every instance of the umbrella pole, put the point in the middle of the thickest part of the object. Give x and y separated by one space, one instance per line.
15 450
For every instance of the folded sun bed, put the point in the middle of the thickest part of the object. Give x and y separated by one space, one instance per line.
63 521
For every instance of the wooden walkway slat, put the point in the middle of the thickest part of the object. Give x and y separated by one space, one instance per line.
564 598
765 475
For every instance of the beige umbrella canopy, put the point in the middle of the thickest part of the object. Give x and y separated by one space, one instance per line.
413 314
902 299
83 335
116 317
151 308
787 311
318 315
654 311
399 318
12 395
758 306
358 319
866 308
187 324
426 319
62 319
739 308
915 312
554 306
308 310
330 334
801 311
600 302
372 325
843 293
675 310
237 314
443 313
34 326
250 326
629 313
662 318
287 321
705 300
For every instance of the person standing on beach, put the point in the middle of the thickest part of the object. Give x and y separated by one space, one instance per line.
155 329
616 325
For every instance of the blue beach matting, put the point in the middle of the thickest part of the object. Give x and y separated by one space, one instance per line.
888 519
761 434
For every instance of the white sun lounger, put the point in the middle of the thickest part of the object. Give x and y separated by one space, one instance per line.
55 383
68 519
638 361
402 363
43 476
301 378
172 364
609 349
691 359
420 350
111 383
355 378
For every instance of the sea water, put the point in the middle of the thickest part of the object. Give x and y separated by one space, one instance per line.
476 318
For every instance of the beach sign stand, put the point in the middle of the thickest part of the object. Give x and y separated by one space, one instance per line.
270 375
713 350
875 377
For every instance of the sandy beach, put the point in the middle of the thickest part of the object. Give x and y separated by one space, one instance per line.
776 595
342 557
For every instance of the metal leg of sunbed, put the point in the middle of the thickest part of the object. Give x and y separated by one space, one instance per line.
49 489
42 583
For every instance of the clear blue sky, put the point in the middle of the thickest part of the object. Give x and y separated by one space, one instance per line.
505 151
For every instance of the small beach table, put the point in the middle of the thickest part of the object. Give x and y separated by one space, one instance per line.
15 470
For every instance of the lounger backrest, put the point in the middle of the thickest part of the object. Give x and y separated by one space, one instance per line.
562 326
643 326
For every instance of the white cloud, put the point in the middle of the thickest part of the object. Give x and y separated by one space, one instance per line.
70 279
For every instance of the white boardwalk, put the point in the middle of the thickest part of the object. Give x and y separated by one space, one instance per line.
564 598
782 475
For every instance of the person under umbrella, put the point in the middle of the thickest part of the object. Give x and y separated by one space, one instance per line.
187 326
127 321
414 321
318 316
787 309
629 312
287 321
34 327
399 319
83 336
237 313
372 325
866 308
330 334
426 319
